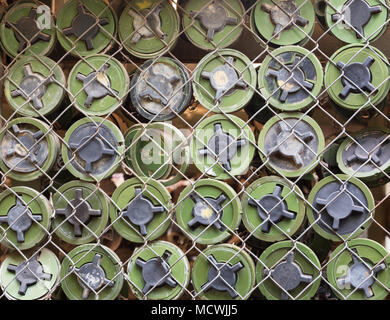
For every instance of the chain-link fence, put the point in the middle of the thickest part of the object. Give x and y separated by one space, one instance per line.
198 149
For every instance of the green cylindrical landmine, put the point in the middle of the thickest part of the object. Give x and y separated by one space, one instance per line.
291 78
160 89
366 156
30 279
86 27
24 216
222 146
291 144
92 148
341 207
91 272
148 29
29 149
283 23
98 84
359 270
356 21
158 271
141 209
213 24
273 209
34 86
81 212
223 272
160 151
224 81
356 81
288 270
28 29
209 211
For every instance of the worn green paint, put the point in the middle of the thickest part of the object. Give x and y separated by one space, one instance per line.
178 101
103 39
291 195
314 222
152 47
179 270
94 197
268 94
237 129
156 193
303 256
53 95
299 117
222 39
117 75
42 288
151 156
37 204
119 149
231 216
160 151
239 98
232 255
262 25
373 254
7 35
83 254
52 148
374 177
379 71
375 27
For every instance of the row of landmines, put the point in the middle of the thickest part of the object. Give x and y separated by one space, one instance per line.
149 28
356 270
290 79
339 208
289 144
32 90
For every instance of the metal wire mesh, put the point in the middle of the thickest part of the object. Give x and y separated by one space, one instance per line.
101 236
